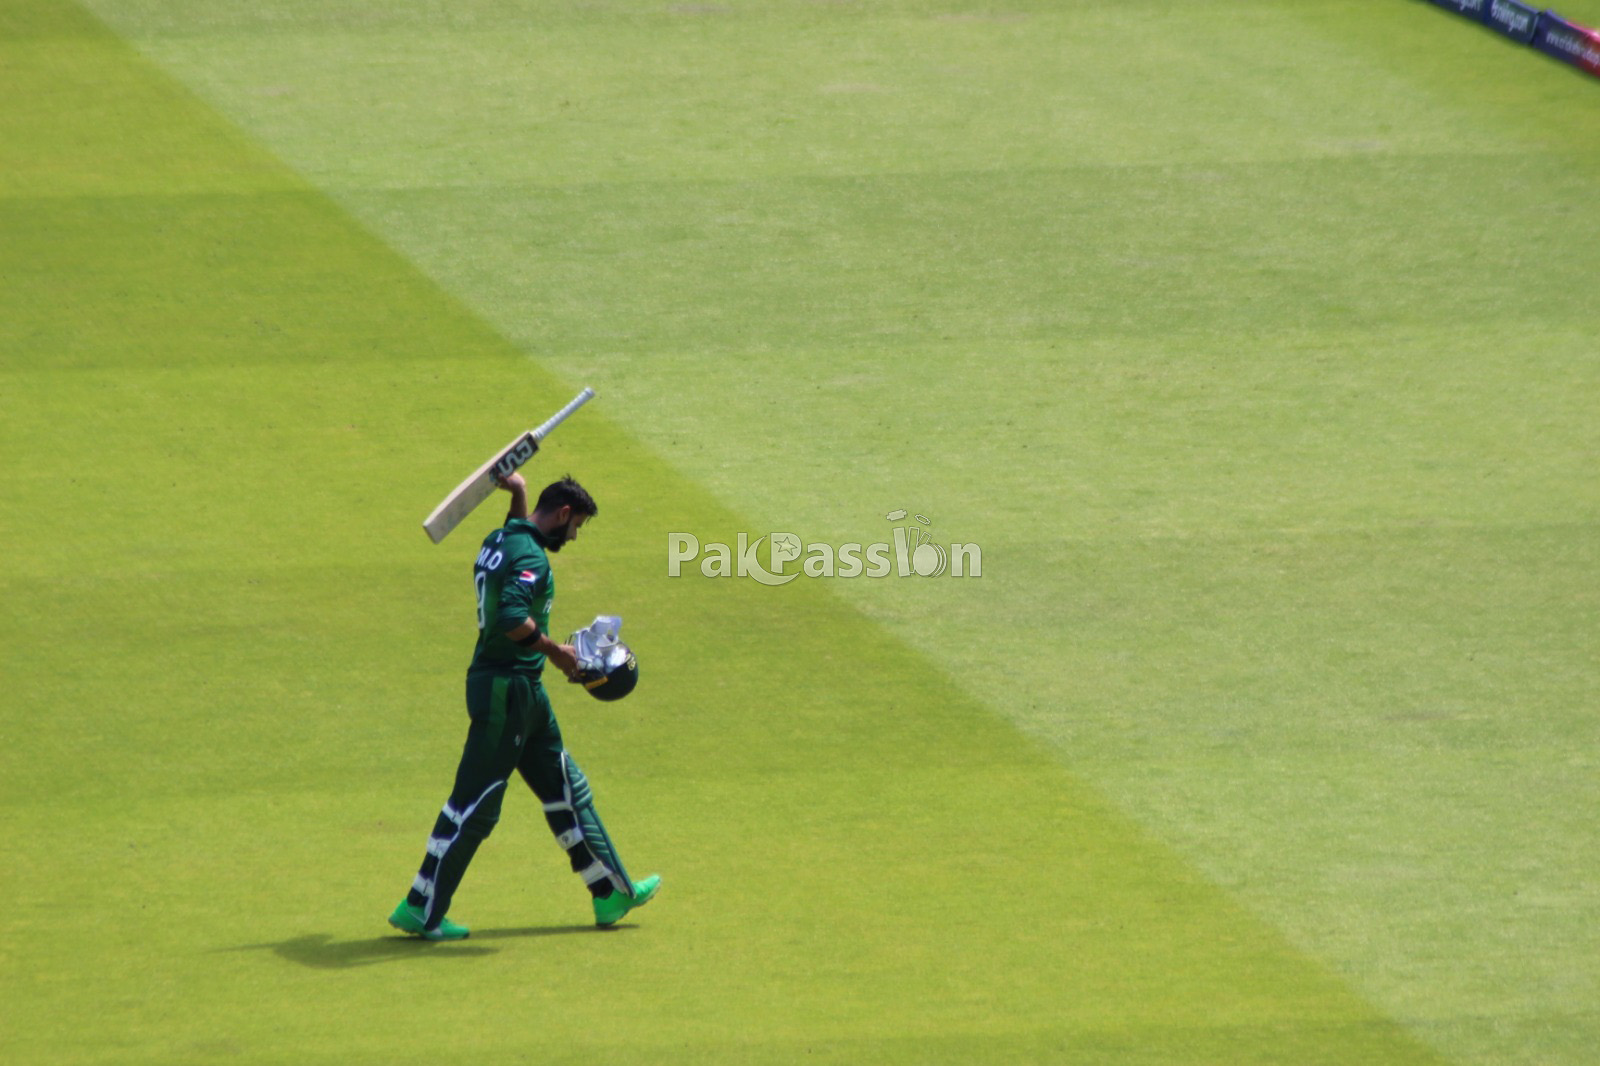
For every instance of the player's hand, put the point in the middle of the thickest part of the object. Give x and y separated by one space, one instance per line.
564 657
511 483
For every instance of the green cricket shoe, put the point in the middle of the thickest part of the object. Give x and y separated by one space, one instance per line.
408 919
608 910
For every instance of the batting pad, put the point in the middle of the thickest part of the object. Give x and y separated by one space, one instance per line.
577 798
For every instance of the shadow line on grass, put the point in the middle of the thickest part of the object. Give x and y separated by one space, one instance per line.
322 952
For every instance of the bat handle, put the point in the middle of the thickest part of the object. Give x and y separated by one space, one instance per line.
561 416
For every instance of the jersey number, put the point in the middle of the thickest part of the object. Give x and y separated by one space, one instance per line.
488 559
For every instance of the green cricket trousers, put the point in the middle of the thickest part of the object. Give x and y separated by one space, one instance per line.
512 728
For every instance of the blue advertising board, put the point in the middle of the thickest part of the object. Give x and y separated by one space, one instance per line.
1568 42
1513 18
1546 31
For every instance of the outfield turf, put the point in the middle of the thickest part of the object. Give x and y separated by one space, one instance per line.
1255 343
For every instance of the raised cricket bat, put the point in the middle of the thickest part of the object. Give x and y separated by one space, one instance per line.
480 485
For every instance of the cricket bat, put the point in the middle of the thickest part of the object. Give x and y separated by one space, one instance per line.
480 485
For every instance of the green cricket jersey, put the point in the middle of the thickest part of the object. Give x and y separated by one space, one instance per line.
513 580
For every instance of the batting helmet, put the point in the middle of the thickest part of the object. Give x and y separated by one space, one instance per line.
607 668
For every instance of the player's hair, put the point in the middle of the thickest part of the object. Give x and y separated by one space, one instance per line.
566 493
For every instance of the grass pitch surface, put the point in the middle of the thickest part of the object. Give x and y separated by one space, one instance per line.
1253 343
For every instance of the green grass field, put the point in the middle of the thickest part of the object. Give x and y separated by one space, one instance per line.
1256 344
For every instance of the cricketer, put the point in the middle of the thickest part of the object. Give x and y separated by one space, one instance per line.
512 725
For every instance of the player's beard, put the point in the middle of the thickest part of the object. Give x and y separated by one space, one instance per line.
558 537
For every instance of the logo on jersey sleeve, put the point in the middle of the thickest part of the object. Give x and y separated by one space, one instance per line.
529 578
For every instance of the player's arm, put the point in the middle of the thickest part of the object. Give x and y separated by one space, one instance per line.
519 495
515 617
561 656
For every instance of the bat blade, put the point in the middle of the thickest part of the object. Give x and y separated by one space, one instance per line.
480 484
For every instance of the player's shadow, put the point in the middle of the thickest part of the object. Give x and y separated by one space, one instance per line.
322 952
